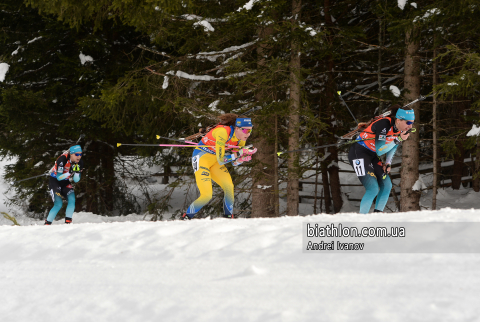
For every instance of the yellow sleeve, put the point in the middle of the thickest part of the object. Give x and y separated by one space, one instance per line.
221 137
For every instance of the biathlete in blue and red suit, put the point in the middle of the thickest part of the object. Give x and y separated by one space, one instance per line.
68 165
381 137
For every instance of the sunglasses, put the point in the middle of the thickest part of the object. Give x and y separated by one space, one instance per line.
409 122
78 154
246 131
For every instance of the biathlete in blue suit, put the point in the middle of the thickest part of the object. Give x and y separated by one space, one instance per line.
381 137
68 166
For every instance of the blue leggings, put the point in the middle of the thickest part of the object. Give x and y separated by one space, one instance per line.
369 170
376 187
57 205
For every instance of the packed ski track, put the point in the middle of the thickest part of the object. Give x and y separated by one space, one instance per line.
128 269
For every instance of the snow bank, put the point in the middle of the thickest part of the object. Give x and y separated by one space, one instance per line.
419 185
3 71
226 270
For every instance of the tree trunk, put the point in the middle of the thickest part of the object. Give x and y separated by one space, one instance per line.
435 148
331 90
265 187
326 187
476 173
379 67
294 118
458 166
410 200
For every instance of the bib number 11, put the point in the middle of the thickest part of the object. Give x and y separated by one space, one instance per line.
359 167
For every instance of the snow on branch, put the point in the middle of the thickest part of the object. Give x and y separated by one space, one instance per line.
475 131
427 14
3 71
401 4
205 24
196 77
213 55
85 58
248 5
153 51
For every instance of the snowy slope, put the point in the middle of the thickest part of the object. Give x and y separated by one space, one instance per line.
227 270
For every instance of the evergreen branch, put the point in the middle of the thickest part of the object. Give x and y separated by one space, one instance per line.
376 98
153 51
154 72
33 71
11 218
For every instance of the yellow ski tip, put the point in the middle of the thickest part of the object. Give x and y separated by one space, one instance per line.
118 144
158 137
339 92
278 153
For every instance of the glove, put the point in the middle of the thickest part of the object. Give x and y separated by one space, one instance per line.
76 168
247 151
244 158
386 171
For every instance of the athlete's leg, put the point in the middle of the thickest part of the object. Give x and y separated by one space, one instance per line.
385 188
55 194
361 162
57 205
201 165
222 177
70 206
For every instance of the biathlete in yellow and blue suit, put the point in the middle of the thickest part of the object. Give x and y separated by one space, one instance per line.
209 160
381 137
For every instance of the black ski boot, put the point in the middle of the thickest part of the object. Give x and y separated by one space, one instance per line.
185 217
47 222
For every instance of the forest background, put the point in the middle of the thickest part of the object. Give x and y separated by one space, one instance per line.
126 71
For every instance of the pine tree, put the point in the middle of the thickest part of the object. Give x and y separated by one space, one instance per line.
51 67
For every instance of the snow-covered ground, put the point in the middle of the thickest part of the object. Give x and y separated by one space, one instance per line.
128 269
226 270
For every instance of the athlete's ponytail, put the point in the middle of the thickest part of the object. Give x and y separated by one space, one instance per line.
227 119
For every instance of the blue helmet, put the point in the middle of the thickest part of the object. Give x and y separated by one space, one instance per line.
75 149
407 115
243 122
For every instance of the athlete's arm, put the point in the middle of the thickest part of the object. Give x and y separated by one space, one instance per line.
381 129
221 137
390 155
60 164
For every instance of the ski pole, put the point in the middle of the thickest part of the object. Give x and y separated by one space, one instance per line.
190 142
40 175
421 98
165 145
334 144
339 94
81 137
178 140
323 146
176 145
